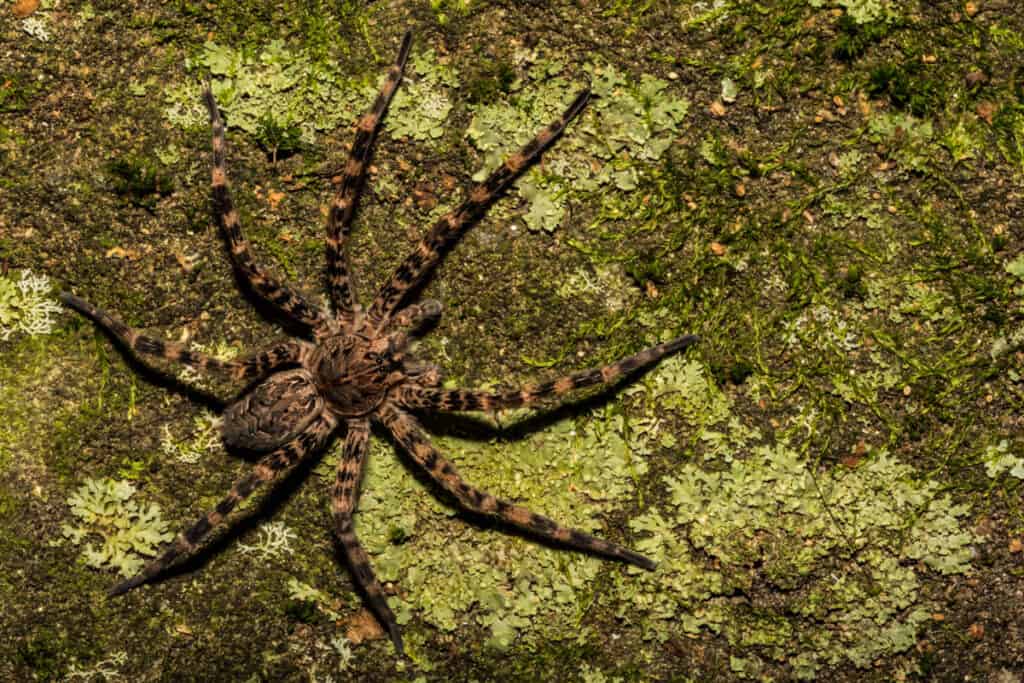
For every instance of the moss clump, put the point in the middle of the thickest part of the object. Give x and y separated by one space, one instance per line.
129 531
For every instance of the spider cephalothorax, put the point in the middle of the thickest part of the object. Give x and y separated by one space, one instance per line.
354 366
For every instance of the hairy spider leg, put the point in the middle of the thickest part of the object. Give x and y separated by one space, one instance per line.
408 322
448 400
253 366
269 468
416 267
411 436
339 218
415 316
286 302
344 496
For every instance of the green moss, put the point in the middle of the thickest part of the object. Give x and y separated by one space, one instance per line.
856 37
140 180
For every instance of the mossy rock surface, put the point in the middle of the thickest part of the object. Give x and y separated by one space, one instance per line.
828 192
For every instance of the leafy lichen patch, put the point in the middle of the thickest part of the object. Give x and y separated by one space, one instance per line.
275 85
279 89
831 547
130 531
629 123
421 106
448 572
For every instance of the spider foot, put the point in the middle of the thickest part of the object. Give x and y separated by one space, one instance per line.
127 585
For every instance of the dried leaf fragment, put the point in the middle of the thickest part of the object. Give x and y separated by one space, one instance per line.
24 8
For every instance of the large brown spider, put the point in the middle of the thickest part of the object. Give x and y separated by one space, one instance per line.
358 368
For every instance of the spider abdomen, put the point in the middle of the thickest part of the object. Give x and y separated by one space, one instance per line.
276 411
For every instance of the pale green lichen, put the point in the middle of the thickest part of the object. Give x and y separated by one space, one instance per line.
831 545
908 138
450 571
1014 339
343 649
284 88
26 306
108 669
999 460
303 592
630 122
864 11
422 105
129 530
276 83
589 674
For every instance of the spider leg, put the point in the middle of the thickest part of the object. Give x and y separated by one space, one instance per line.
339 218
286 302
415 316
446 400
418 265
408 322
245 368
410 435
422 373
344 495
267 469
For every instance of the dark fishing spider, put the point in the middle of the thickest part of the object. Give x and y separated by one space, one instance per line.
358 368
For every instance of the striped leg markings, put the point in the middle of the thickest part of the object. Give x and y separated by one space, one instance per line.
269 468
339 217
245 368
259 364
410 435
417 266
448 400
286 302
410 321
415 316
344 495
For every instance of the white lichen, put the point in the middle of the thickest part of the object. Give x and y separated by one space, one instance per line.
106 669
204 439
274 540
222 351
26 306
343 648
37 27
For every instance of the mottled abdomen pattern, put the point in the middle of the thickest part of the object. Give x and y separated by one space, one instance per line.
277 410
